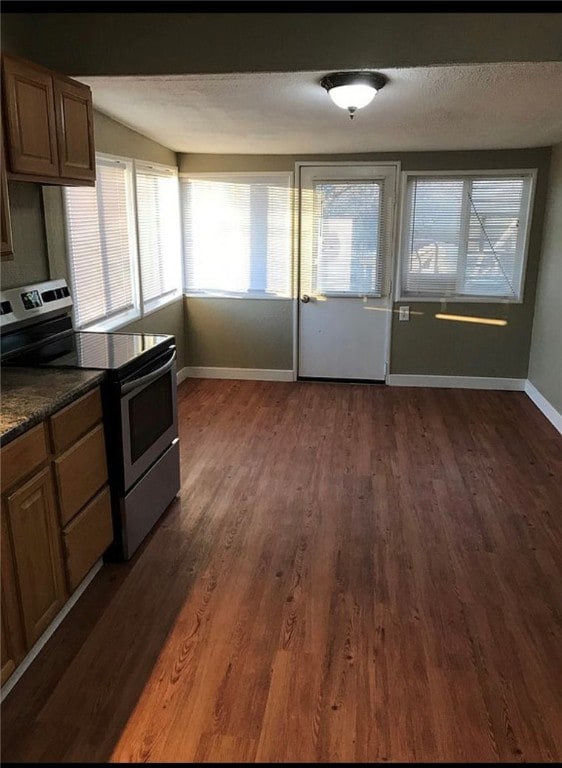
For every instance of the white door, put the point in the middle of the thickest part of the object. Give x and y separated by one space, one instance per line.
346 234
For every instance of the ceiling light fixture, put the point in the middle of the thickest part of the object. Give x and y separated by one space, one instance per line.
353 90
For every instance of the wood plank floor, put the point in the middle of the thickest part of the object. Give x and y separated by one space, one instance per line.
351 573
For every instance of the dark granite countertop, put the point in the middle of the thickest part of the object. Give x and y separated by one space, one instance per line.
29 395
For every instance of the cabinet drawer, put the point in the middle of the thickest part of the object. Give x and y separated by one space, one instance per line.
87 537
20 457
70 423
80 473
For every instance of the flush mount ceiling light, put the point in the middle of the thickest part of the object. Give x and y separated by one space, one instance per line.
353 90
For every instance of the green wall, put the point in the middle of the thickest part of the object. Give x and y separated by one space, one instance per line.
424 345
168 319
171 43
116 139
29 264
545 365
238 333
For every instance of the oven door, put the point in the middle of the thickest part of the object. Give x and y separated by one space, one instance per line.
149 419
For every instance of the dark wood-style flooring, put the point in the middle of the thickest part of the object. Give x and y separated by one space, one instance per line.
351 573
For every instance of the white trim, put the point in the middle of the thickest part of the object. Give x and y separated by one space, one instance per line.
455 382
159 168
182 374
295 267
170 299
243 296
219 174
255 374
114 323
444 300
302 163
49 632
543 405
476 172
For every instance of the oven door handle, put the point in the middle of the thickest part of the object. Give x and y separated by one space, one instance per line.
143 380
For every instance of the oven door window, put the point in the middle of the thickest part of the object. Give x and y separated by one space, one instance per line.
151 414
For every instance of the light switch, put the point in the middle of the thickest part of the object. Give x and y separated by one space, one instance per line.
404 313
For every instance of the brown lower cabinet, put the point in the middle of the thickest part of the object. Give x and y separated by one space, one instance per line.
48 546
13 645
36 546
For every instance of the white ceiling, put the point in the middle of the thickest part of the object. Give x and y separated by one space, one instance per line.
489 106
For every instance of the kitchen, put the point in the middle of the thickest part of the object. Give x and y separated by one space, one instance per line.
199 560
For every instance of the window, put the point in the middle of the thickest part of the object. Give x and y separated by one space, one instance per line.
237 235
159 233
347 258
101 246
465 236
123 246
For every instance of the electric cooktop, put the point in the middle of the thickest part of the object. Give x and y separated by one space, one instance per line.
89 349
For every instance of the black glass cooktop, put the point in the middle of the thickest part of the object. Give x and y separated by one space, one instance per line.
89 349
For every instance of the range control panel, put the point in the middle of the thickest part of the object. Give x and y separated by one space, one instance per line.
18 304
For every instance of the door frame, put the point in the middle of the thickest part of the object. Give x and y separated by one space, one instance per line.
396 164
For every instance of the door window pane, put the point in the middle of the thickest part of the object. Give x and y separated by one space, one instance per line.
346 226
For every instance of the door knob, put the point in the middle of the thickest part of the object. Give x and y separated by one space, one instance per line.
305 298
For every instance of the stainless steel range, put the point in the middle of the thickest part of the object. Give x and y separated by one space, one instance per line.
138 395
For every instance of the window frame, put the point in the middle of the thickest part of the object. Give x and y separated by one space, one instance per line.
139 309
170 296
380 266
134 313
403 219
262 296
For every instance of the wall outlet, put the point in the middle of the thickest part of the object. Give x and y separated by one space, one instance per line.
404 313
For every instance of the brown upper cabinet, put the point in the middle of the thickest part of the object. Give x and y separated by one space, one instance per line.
48 120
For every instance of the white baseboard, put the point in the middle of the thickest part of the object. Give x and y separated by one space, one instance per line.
256 374
543 405
455 382
182 375
49 632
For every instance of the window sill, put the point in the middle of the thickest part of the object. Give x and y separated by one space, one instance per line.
251 297
160 303
114 323
456 300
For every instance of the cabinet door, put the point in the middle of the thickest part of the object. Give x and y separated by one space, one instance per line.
5 222
13 648
37 553
73 107
31 136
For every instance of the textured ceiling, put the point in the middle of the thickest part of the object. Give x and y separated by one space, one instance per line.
490 106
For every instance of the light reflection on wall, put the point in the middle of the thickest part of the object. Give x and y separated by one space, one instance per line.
471 319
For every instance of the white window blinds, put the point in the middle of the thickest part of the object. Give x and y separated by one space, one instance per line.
348 256
100 241
158 229
237 235
465 236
